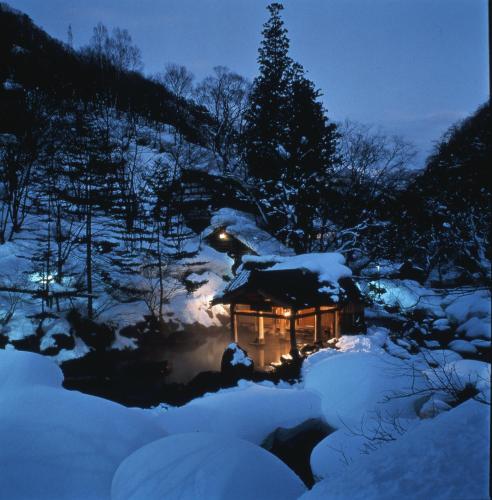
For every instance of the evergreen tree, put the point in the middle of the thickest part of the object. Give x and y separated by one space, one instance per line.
290 146
266 117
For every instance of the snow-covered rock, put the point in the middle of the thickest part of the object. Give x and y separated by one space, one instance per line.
475 328
57 443
457 375
441 458
204 466
406 295
236 364
352 385
462 346
468 305
250 411
440 357
20 369
433 407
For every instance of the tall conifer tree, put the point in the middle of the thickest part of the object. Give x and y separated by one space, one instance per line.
266 117
290 147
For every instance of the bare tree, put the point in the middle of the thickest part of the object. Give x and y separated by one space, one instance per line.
178 79
372 161
225 95
117 49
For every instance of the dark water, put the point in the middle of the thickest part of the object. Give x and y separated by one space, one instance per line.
190 352
170 367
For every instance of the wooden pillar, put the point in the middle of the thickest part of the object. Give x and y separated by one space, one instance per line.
261 357
261 329
282 328
337 324
293 341
234 335
317 326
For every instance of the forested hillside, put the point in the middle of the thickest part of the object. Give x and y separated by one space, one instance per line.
94 200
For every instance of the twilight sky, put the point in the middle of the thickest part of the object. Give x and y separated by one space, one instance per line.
412 67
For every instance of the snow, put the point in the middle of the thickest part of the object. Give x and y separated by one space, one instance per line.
475 328
79 351
122 343
440 357
433 407
440 458
250 411
243 227
462 346
406 295
441 325
53 326
195 307
354 385
209 466
466 306
19 369
58 443
330 267
461 373
239 357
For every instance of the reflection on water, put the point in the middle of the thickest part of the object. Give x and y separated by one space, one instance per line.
186 361
203 352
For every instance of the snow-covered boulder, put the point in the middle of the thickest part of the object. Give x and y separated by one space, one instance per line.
456 376
439 357
250 411
407 295
466 306
441 458
21 369
462 347
433 407
57 443
475 328
441 325
236 364
352 385
201 465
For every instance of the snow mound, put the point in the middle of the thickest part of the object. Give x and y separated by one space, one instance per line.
57 443
406 295
249 411
208 466
457 375
462 347
476 304
353 385
441 458
475 328
440 357
19 369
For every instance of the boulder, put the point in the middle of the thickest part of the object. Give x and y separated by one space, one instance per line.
236 364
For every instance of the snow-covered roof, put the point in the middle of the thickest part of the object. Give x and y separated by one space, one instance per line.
330 267
309 279
242 226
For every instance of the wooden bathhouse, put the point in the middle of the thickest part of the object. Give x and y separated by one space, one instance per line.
302 300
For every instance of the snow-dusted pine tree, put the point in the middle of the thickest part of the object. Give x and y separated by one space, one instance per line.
290 147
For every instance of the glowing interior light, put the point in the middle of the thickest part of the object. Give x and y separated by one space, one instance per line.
287 314
223 236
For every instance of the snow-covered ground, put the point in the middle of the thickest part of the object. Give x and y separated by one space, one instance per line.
399 430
